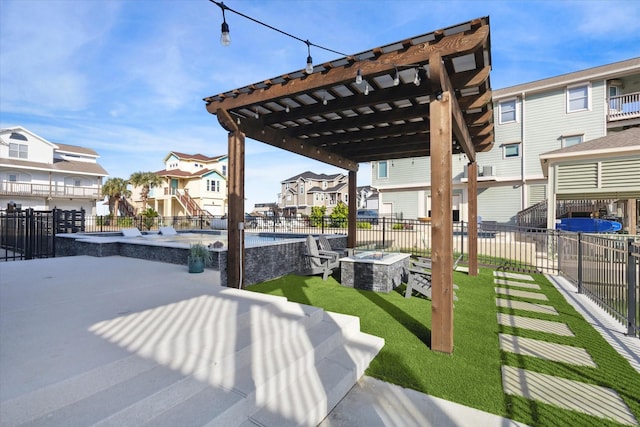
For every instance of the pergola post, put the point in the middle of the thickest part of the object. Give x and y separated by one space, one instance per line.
235 218
441 224
472 235
353 208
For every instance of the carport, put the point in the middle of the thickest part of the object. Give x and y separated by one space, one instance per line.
428 95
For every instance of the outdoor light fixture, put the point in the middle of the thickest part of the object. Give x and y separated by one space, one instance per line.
359 77
225 39
416 79
396 79
309 68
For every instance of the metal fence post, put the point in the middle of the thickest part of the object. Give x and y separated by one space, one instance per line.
384 232
631 289
579 263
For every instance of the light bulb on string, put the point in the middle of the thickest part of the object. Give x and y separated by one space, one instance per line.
396 79
309 67
359 77
366 89
225 38
287 109
416 79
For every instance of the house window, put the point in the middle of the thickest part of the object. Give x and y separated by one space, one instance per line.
302 188
13 177
382 169
508 111
346 198
324 184
213 185
578 98
224 170
77 183
568 141
19 151
511 150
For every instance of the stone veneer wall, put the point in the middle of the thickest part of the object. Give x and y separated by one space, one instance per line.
261 262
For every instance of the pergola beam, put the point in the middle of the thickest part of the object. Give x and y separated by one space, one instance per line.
440 77
455 44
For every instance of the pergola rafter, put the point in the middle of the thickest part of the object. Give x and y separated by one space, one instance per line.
328 117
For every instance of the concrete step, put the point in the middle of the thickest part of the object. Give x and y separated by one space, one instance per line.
213 359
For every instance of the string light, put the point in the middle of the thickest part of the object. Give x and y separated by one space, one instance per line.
366 89
309 68
225 40
287 109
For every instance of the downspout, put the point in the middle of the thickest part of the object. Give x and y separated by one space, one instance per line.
523 200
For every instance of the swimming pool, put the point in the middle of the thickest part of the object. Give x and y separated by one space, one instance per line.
267 255
219 237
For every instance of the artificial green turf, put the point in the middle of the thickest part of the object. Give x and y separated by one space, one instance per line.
472 374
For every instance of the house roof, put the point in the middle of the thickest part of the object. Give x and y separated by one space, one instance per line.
59 165
626 140
199 157
308 176
75 149
609 71
329 117
623 143
177 173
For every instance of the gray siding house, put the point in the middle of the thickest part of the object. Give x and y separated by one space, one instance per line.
529 120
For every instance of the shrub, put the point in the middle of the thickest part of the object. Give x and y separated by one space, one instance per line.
317 216
340 215
364 225
148 218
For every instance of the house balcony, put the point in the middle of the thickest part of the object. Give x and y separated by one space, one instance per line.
624 110
27 189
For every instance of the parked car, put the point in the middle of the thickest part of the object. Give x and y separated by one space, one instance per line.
367 215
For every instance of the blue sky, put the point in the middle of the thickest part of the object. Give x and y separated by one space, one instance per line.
127 78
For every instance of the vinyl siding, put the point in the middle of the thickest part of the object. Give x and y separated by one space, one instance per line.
537 193
547 121
607 176
499 203
414 171
405 203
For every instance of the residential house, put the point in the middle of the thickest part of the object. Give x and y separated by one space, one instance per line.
367 198
42 175
303 191
193 185
529 120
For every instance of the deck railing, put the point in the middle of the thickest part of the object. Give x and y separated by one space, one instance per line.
16 188
625 106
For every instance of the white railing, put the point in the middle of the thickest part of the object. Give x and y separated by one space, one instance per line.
625 106
16 188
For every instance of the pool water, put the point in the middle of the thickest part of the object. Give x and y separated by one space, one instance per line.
250 239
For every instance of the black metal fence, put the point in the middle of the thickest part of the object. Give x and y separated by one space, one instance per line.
27 234
605 268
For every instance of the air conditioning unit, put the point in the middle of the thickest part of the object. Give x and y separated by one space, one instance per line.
487 171
483 171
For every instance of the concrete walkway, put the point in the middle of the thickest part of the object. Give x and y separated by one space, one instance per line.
590 399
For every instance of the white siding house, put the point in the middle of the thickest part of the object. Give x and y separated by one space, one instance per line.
529 120
193 185
36 173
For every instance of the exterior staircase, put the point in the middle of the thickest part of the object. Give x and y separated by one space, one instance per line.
246 359
191 206
536 216
126 208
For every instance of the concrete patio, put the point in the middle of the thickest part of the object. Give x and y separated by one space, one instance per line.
123 341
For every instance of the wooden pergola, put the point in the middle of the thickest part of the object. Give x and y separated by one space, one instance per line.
439 105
